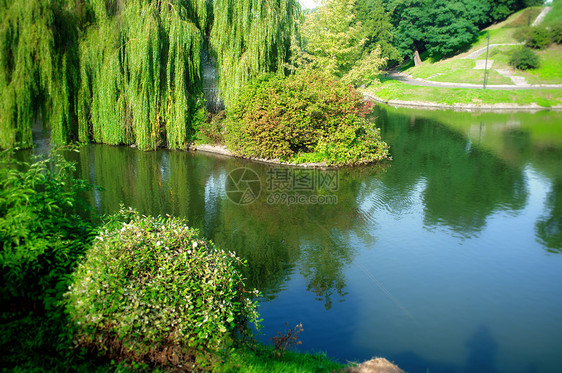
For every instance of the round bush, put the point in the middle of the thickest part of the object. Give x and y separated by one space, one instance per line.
303 117
556 33
524 59
151 290
539 38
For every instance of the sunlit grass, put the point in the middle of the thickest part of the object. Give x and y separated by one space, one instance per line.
394 90
264 359
550 70
555 15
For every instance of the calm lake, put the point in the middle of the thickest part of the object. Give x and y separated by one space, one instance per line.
447 258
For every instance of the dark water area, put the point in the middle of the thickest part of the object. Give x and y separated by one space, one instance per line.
447 258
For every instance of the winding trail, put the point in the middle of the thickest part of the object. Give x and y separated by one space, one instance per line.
478 52
404 78
519 82
541 16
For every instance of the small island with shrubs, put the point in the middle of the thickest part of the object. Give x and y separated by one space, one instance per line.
302 118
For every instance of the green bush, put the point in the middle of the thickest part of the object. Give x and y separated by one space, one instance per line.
211 131
539 38
306 116
556 33
152 291
524 59
44 227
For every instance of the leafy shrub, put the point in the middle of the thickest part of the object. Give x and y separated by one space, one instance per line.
556 33
44 227
306 115
539 38
152 291
211 132
289 339
524 59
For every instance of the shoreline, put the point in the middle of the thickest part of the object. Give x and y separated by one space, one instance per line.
223 150
504 107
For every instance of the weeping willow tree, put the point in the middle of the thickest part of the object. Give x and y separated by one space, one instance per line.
140 73
251 37
38 64
129 71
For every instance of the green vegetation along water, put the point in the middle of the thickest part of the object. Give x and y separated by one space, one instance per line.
447 258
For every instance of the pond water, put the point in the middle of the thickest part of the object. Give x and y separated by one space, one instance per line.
448 258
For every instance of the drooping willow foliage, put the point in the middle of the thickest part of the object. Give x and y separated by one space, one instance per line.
251 37
38 64
129 71
140 73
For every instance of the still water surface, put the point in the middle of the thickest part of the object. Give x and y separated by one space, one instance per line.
448 258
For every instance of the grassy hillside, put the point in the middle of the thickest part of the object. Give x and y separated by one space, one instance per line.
461 67
555 15
395 90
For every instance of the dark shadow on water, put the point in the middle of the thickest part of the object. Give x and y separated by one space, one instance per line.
482 351
409 361
482 355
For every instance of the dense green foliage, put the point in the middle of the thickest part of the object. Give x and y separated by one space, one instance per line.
524 59
443 27
556 33
44 228
140 73
152 290
129 71
538 38
439 26
308 116
377 28
335 42
38 69
251 37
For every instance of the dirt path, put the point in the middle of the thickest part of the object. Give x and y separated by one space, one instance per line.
518 81
478 52
402 77
541 16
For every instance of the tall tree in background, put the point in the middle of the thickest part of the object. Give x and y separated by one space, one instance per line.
438 26
453 24
336 43
411 20
377 28
443 27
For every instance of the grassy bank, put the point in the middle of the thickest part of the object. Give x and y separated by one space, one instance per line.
38 342
461 68
394 90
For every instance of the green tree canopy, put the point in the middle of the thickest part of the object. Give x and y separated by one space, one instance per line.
336 42
129 71
443 27
377 28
